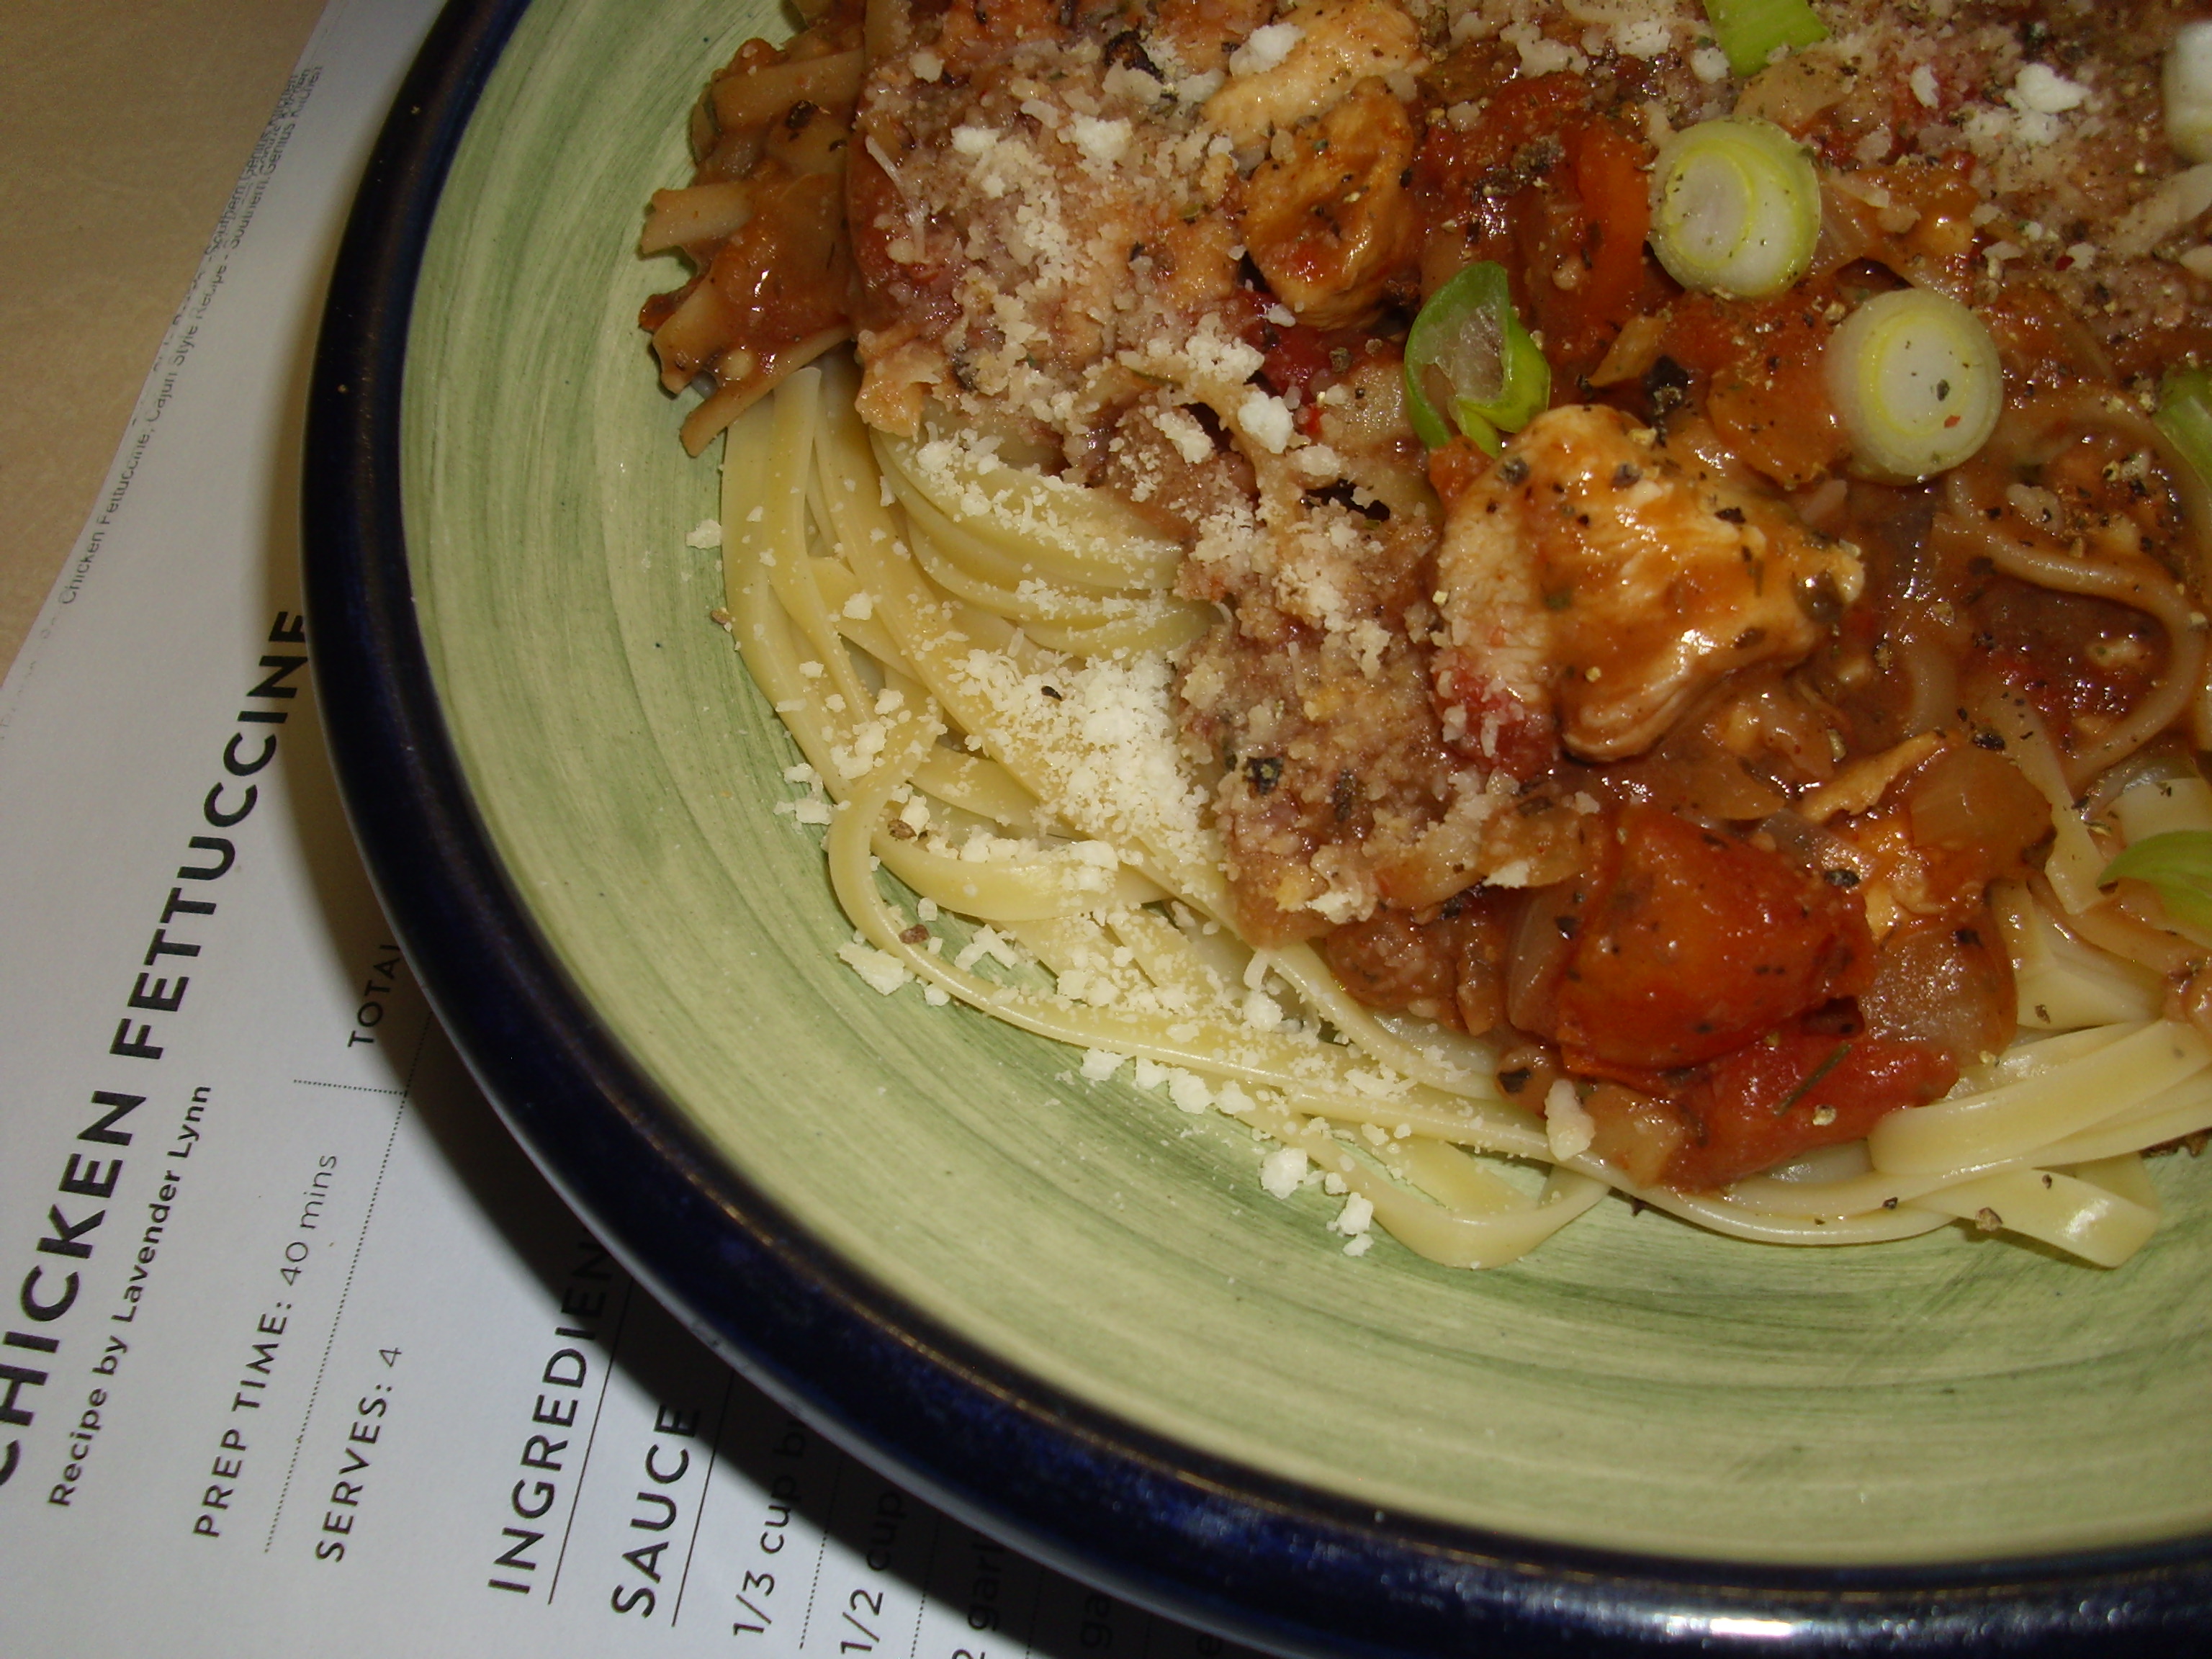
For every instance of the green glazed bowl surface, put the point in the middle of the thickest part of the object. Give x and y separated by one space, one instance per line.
1634 1385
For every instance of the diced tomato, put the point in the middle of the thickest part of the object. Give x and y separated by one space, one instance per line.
1612 178
1295 353
1776 410
1587 236
1761 368
1454 468
1797 1088
1692 942
1496 728
1560 197
1578 245
1457 163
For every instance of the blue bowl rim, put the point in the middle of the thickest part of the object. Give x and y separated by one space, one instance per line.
1223 1546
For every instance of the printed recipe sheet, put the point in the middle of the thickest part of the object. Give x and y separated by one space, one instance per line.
298 1352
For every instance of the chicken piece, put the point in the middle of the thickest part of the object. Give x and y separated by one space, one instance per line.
1333 46
1332 221
1595 583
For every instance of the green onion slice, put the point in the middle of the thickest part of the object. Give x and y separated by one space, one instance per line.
2178 865
1916 378
2185 415
1751 31
1468 354
1735 208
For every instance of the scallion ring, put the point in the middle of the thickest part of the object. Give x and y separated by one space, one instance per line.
1735 208
1916 378
1469 356
2178 864
2185 415
1752 31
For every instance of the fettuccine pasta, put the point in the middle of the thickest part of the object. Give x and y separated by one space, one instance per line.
1531 600
1068 831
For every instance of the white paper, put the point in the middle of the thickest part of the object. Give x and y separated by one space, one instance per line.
298 1354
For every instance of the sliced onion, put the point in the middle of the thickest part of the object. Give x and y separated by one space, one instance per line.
1735 208
1969 800
2188 88
1916 378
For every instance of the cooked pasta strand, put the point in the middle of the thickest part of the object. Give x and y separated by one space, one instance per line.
960 753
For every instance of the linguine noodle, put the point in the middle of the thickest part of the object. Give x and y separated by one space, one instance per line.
1008 826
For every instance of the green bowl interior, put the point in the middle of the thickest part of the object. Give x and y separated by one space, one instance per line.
1635 1383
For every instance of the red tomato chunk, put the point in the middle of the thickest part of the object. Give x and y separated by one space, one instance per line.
1692 944
1799 1088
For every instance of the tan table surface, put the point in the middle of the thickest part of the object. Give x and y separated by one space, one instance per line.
122 125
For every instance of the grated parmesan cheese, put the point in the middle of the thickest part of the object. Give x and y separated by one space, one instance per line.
1569 1127
1264 48
1100 1064
1265 420
1189 1091
879 971
1283 1171
1102 142
1646 37
2042 90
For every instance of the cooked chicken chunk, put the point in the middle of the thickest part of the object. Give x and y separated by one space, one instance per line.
1595 581
1328 220
1308 60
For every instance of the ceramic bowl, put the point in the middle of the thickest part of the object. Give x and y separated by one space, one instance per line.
1061 1308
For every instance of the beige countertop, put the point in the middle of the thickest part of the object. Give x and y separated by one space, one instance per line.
122 125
